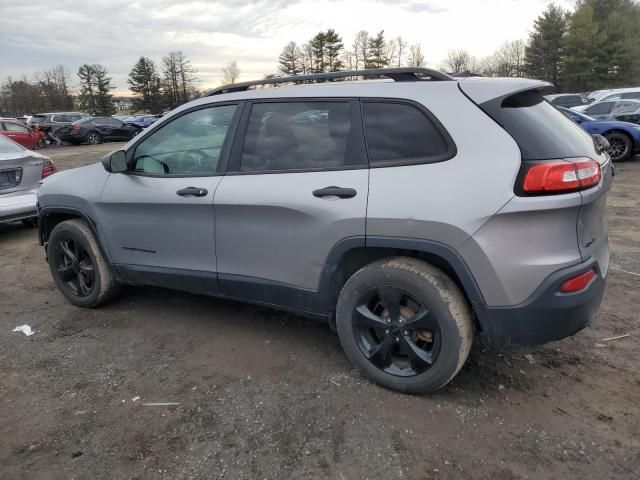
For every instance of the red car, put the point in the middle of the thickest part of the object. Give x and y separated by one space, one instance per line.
19 133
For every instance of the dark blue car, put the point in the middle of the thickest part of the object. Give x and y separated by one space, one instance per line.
142 121
623 137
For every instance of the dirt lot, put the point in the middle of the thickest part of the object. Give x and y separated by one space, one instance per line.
264 394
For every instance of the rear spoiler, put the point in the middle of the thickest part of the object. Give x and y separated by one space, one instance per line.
481 90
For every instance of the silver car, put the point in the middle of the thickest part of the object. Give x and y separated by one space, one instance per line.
611 110
20 172
412 214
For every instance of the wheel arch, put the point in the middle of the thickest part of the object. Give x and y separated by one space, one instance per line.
49 217
351 254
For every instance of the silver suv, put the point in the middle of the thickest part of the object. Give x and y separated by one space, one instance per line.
410 211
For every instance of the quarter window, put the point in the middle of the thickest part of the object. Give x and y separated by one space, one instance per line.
600 109
189 145
398 133
301 136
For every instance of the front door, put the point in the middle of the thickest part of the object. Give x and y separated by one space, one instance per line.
297 186
158 217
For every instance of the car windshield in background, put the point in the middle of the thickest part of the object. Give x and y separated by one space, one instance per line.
8 146
38 118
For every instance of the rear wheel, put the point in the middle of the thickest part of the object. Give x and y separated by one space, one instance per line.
404 324
78 266
620 146
93 138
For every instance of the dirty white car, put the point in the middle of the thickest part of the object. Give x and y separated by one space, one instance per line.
20 172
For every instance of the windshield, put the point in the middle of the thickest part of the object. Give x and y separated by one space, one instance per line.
8 146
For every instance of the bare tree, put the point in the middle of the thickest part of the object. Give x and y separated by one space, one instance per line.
416 58
506 61
396 51
360 49
230 73
459 61
307 58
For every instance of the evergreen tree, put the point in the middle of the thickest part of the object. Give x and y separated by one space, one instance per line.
318 46
603 44
544 53
333 51
377 52
104 99
95 90
583 55
144 81
290 61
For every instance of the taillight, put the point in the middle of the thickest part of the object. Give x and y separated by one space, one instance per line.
578 283
562 176
48 168
75 127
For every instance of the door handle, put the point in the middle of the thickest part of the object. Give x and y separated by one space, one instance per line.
192 192
335 192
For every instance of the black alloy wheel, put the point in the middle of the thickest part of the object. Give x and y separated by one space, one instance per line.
620 146
395 332
74 267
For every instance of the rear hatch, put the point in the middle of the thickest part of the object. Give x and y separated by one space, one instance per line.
546 136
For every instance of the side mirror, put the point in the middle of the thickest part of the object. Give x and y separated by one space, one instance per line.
115 162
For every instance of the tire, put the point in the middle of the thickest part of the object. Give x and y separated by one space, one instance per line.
93 138
41 143
94 289
621 146
444 334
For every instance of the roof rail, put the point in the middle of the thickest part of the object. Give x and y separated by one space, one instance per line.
404 74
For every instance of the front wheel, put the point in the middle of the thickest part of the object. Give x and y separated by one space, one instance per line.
404 324
620 146
78 266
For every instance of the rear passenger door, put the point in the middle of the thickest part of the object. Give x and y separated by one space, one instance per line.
296 187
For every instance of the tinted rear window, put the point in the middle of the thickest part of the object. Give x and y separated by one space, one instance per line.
398 132
541 130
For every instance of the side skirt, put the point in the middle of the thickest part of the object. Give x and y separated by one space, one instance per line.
251 290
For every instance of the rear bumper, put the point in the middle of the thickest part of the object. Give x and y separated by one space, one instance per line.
547 315
18 206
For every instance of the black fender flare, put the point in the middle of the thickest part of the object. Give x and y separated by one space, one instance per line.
445 252
43 229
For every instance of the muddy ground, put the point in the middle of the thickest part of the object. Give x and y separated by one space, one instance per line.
269 395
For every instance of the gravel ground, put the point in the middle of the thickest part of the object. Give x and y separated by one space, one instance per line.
262 394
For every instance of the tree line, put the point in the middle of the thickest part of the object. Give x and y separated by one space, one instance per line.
155 88
596 46
326 52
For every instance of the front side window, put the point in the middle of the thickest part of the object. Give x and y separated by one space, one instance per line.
398 132
189 145
300 136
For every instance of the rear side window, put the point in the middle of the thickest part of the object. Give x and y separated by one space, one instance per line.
398 133
600 108
308 135
541 131
634 95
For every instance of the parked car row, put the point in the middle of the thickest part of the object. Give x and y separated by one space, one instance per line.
623 137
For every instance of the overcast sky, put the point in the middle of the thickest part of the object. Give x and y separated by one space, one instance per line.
38 34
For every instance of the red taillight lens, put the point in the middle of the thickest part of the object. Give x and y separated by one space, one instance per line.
75 127
48 168
579 282
562 175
